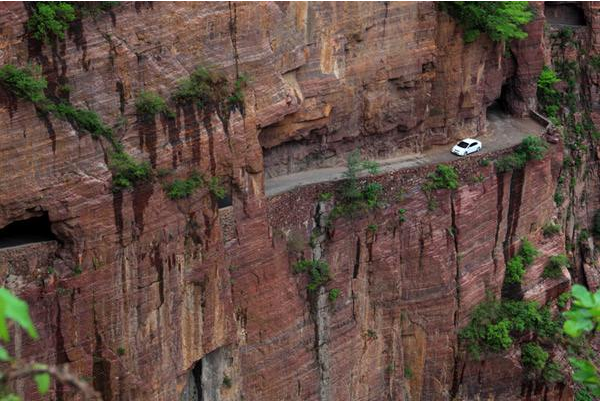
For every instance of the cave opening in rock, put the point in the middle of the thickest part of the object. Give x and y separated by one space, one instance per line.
33 230
193 388
226 201
564 14
499 108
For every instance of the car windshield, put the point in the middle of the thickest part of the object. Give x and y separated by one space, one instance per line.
462 144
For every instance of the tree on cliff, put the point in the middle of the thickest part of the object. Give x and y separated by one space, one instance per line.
500 20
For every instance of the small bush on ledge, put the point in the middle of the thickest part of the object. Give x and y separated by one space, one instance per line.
531 148
516 266
25 83
554 266
127 172
50 20
444 177
183 188
149 104
319 272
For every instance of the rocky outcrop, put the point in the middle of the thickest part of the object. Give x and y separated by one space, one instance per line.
144 291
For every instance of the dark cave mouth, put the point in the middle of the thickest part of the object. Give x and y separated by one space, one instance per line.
32 230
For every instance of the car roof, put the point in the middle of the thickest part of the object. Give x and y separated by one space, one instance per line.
468 140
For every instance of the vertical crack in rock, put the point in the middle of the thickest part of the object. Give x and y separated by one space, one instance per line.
500 195
357 258
320 310
61 354
513 212
233 31
456 245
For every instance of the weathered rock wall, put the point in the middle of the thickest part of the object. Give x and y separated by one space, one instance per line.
162 285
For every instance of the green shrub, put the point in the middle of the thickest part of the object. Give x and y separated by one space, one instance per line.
551 229
408 373
183 188
444 177
333 294
227 381
372 227
494 324
484 162
562 300
528 252
82 119
204 87
533 148
318 270
236 99
552 373
501 21
126 171
514 271
25 83
355 198
216 188
121 351
554 266
149 104
533 356
324 197
50 20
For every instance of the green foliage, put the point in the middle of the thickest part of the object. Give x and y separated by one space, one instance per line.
25 83
371 334
584 314
149 104
227 381
528 252
401 214
516 266
514 270
551 228
555 265
531 148
484 162
236 99
533 356
77 270
501 21
204 87
121 351
495 324
549 98
562 300
444 177
372 227
183 188
333 294
408 373
552 373
50 20
587 375
82 119
127 171
216 188
354 197
324 197
318 270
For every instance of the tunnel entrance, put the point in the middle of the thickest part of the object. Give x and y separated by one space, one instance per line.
564 13
32 230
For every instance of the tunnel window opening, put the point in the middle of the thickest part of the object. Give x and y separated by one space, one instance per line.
226 201
564 14
32 230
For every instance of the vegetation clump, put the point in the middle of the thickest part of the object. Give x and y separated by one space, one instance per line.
533 356
444 177
550 229
531 148
25 83
82 119
183 188
495 325
127 171
333 294
500 20
516 266
318 270
149 104
554 266
50 20
549 97
354 197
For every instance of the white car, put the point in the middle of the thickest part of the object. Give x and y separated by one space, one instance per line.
466 146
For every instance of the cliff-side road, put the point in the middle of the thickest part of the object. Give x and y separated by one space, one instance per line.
503 131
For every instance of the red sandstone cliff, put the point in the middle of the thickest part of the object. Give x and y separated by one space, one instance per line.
167 284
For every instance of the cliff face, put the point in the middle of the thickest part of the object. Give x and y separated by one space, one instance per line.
147 297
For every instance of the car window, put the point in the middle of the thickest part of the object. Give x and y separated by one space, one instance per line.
473 144
462 144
